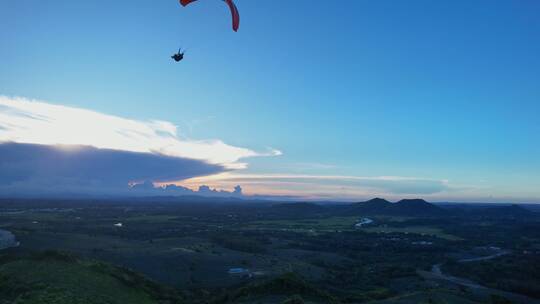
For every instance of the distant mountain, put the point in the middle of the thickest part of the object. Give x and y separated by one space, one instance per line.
378 202
416 207
490 210
373 206
505 211
406 207
532 207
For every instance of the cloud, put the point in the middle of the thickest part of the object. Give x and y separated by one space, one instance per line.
324 186
36 122
149 188
84 169
46 148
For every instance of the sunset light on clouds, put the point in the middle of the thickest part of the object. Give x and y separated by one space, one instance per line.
37 122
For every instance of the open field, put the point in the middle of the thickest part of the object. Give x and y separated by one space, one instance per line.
308 225
333 224
430 231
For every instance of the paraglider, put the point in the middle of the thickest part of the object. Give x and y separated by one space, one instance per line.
178 56
235 23
232 7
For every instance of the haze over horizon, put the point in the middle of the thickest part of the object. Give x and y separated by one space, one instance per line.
341 101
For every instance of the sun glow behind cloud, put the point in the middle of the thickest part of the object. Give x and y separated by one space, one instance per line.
36 122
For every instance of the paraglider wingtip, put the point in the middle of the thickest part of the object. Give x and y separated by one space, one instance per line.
232 6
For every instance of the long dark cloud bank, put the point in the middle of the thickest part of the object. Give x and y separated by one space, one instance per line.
40 169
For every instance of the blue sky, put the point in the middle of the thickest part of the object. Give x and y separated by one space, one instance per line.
444 91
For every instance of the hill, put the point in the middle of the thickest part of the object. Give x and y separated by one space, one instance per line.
286 288
405 207
495 211
416 207
54 277
512 211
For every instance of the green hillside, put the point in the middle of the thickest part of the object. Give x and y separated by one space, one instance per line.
53 277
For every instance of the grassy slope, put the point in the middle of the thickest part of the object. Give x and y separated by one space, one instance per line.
427 297
276 290
59 278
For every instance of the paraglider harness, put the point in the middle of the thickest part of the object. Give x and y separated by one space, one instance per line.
178 56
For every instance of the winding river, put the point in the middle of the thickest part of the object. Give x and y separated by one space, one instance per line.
437 274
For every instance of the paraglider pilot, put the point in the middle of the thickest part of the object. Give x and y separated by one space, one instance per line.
178 56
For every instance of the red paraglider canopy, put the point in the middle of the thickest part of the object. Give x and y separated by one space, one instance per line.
234 12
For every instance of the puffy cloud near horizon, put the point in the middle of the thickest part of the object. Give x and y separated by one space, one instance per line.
149 188
35 122
53 148
325 186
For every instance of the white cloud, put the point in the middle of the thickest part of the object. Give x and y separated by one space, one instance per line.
37 122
